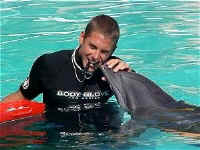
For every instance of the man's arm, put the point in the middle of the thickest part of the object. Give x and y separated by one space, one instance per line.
14 96
30 88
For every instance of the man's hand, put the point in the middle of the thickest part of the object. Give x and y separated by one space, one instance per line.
118 65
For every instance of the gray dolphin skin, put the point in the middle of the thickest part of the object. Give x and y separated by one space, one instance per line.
148 104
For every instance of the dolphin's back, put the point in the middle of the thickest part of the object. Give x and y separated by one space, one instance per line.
136 91
145 100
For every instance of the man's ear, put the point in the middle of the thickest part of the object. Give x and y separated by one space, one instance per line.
81 38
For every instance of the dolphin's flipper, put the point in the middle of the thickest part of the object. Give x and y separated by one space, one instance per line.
146 101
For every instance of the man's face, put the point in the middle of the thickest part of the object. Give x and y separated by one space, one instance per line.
95 48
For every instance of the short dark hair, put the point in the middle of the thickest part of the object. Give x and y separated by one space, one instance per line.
105 25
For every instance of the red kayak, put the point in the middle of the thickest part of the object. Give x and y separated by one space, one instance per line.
15 110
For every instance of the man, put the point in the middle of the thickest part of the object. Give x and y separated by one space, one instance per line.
70 81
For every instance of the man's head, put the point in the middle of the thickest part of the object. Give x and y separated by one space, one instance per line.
99 40
105 25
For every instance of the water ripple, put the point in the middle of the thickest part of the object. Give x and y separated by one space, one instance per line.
58 19
62 10
33 35
190 90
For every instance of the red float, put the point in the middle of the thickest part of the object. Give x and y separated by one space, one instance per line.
15 110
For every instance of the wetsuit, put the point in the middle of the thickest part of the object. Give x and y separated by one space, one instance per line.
54 75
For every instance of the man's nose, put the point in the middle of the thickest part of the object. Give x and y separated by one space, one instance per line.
97 55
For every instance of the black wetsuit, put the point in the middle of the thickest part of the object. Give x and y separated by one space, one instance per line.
53 75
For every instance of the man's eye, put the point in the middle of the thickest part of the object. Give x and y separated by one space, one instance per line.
92 47
105 52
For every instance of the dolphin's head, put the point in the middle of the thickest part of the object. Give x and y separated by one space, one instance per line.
115 84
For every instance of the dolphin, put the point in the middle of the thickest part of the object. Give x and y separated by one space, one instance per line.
148 104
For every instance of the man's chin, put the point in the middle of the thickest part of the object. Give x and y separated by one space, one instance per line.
91 70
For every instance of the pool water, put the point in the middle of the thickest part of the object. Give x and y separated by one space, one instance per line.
159 39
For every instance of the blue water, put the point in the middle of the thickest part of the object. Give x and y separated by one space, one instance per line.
159 39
